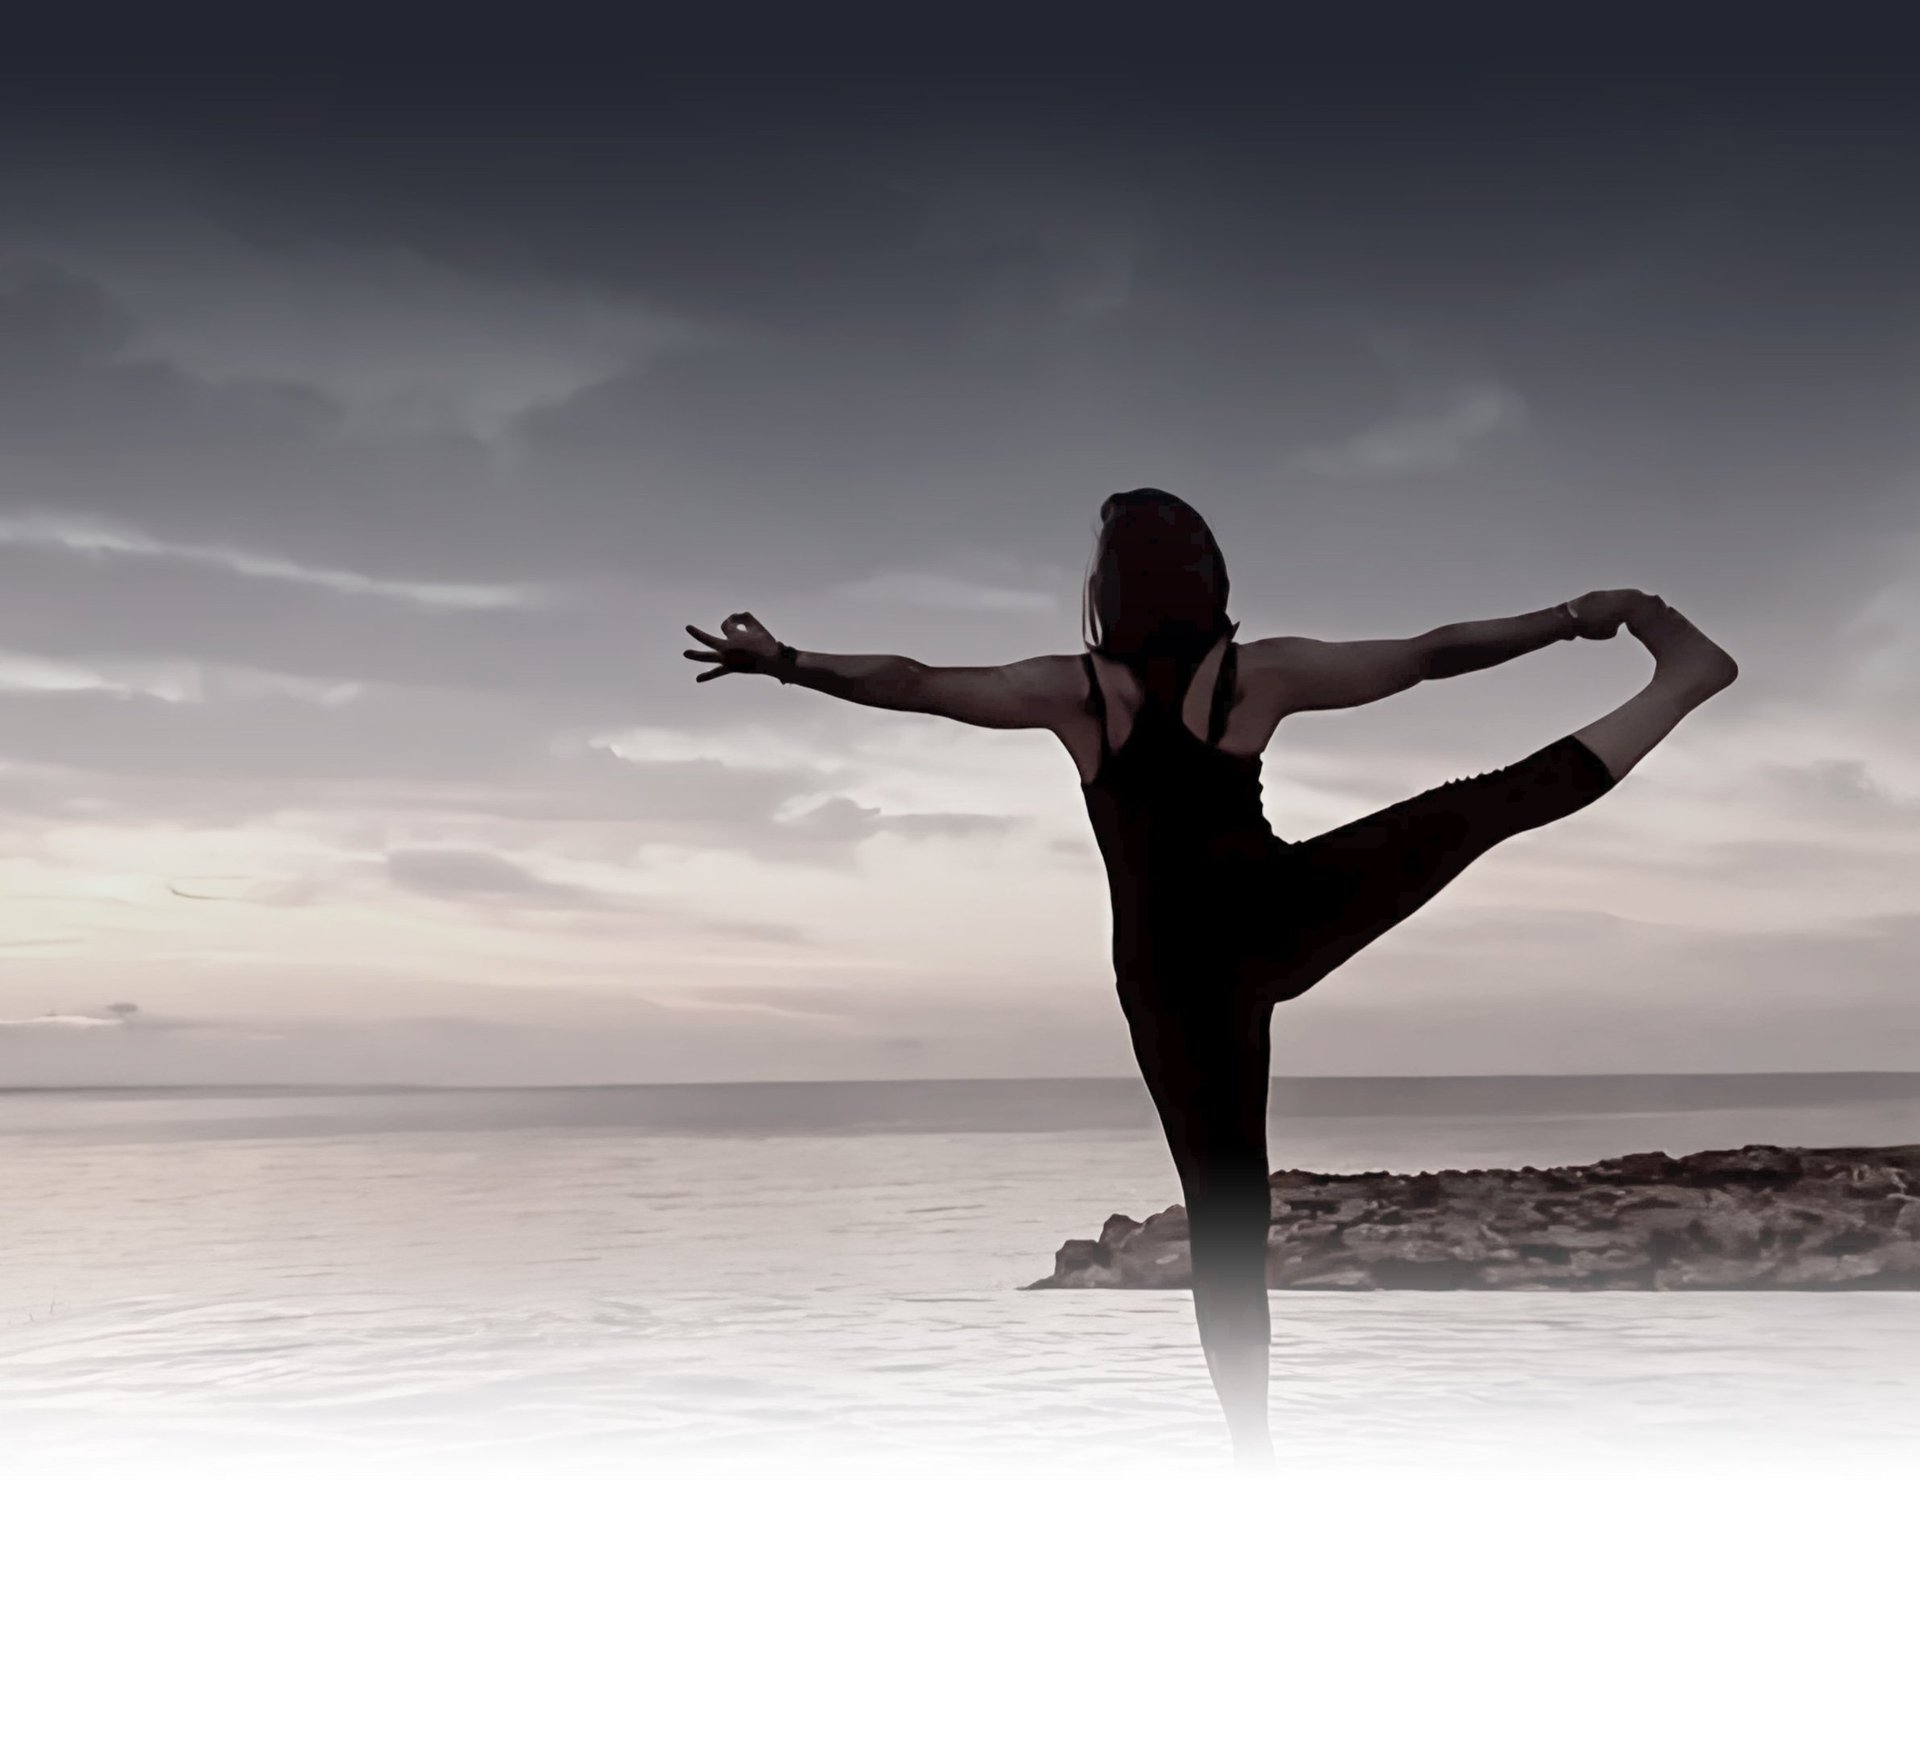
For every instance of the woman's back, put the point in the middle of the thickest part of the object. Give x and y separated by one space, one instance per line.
1178 819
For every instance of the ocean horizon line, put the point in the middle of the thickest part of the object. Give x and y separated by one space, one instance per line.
294 1088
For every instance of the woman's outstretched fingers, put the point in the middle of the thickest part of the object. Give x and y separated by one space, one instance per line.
743 644
703 657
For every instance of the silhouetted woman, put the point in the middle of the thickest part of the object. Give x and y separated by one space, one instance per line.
1215 919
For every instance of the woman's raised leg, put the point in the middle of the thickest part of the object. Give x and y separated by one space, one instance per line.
1337 893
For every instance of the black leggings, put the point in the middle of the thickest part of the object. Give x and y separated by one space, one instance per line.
1202 1041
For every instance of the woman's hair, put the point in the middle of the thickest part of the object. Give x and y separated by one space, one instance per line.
1157 588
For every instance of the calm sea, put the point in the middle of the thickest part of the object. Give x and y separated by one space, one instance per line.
828 1273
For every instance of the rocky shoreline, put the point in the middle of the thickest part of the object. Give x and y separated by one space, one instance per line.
1756 1217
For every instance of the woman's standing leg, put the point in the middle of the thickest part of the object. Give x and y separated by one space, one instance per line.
1205 1058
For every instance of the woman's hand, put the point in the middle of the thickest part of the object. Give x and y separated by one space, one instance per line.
1601 615
741 645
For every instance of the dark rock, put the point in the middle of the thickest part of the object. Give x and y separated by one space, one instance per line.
1725 1218
1077 1253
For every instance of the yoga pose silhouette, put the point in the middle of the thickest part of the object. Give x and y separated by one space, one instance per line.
1216 918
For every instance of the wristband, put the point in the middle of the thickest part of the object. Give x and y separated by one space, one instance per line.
785 660
1573 617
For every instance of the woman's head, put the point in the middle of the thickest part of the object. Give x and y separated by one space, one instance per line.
1158 583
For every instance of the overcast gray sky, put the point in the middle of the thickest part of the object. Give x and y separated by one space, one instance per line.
368 431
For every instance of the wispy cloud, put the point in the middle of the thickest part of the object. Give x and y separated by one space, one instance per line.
1435 437
1843 781
484 876
1882 634
178 682
394 338
943 592
842 818
747 1002
1037 242
115 1014
23 673
246 890
88 537
747 748
976 581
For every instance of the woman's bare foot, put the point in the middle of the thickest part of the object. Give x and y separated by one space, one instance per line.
1688 668
1695 665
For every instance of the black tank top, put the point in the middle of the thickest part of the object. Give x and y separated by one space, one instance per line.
1181 828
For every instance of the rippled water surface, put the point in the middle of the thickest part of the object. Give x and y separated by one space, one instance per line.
831 1273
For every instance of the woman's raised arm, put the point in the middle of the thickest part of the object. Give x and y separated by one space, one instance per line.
1307 674
1302 674
1463 646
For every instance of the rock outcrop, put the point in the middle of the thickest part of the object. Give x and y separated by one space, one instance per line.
1826 1218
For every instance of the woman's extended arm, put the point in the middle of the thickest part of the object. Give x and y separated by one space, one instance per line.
1463 646
1304 675
1028 692
882 679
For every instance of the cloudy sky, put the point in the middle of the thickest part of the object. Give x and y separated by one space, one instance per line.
369 429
